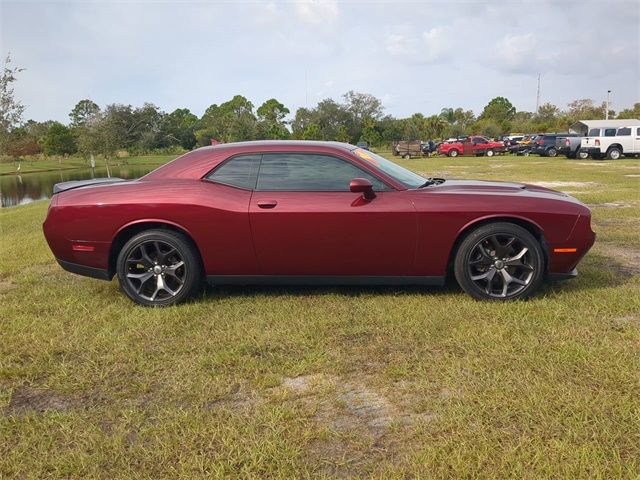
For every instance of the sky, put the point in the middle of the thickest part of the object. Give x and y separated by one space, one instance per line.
416 56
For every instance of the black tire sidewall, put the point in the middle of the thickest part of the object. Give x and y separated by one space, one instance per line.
187 251
499 228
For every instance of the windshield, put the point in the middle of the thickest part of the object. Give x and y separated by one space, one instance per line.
402 175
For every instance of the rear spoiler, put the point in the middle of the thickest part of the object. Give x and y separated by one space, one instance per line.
61 187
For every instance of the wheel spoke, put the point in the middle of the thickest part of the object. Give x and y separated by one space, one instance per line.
145 259
488 275
516 259
171 270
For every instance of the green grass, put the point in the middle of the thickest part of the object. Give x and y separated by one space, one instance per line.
330 382
52 164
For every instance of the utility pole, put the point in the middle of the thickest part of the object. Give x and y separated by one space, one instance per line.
538 95
306 91
606 112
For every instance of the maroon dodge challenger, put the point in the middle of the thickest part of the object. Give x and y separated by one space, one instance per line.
289 212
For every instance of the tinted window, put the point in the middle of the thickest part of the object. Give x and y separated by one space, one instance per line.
609 132
309 172
624 131
638 132
594 132
238 171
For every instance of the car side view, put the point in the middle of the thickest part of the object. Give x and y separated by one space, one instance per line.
293 212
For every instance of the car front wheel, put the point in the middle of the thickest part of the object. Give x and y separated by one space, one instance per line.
453 153
552 152
159 268
489 153
499 261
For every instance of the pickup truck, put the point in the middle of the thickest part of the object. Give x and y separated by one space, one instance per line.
474 145
626 141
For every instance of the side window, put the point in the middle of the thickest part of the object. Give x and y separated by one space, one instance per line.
240 171
623 132
609 132
309 172
638 132
594 132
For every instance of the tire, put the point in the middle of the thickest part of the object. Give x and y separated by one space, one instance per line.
406 156
157 268
499 261
614 153
489 153
552 152
453 153
582 155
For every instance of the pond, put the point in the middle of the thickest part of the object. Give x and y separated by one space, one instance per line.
27 188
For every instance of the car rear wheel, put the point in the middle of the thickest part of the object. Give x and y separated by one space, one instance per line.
453 152
159 268
499 261
489 153
552 152
613 153
582 155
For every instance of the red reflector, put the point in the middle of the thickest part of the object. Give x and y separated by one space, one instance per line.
597 142
565 250
83 248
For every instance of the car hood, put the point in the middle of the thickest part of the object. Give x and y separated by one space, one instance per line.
480 187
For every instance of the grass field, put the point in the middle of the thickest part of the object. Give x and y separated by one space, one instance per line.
48 164
330 382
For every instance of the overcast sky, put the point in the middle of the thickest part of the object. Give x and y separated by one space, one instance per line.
415 56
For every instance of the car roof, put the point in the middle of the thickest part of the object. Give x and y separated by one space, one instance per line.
283 143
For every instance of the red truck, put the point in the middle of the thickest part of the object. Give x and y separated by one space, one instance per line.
473 145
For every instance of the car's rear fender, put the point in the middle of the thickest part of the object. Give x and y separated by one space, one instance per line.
130 229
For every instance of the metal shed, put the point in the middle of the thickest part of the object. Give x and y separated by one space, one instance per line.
582 127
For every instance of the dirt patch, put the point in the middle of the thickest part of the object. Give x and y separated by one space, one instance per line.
633 175
359 423
27 399
628 257
6 285
564 184
613 205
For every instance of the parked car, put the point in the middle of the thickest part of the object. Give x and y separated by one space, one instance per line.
474 145
278 212
545 144
364 145
626 141
569 146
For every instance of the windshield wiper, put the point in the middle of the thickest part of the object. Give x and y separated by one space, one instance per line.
432 181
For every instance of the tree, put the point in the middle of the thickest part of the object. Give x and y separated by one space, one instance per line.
501 111
271 123
11 110
59 140
312 132
448 114
631 112
361 107
585 109
83 112
178 128
435 126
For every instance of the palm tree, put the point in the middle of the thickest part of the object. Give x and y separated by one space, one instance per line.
448 114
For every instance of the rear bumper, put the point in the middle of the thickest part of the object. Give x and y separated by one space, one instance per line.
85 271
591 150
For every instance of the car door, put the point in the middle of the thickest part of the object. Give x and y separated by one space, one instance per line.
305 221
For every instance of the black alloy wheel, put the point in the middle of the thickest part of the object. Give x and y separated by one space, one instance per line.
499 261
159 268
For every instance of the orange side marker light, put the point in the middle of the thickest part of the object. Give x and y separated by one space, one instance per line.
565 250
83 248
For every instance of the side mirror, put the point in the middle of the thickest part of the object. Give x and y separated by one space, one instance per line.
364 186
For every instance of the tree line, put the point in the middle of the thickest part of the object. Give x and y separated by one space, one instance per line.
95 130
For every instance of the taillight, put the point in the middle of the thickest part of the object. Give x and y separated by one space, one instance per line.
597 142
540 142
567 143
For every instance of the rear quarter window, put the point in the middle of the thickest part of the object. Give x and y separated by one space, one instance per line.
623 132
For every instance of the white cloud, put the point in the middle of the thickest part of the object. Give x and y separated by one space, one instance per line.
317 12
